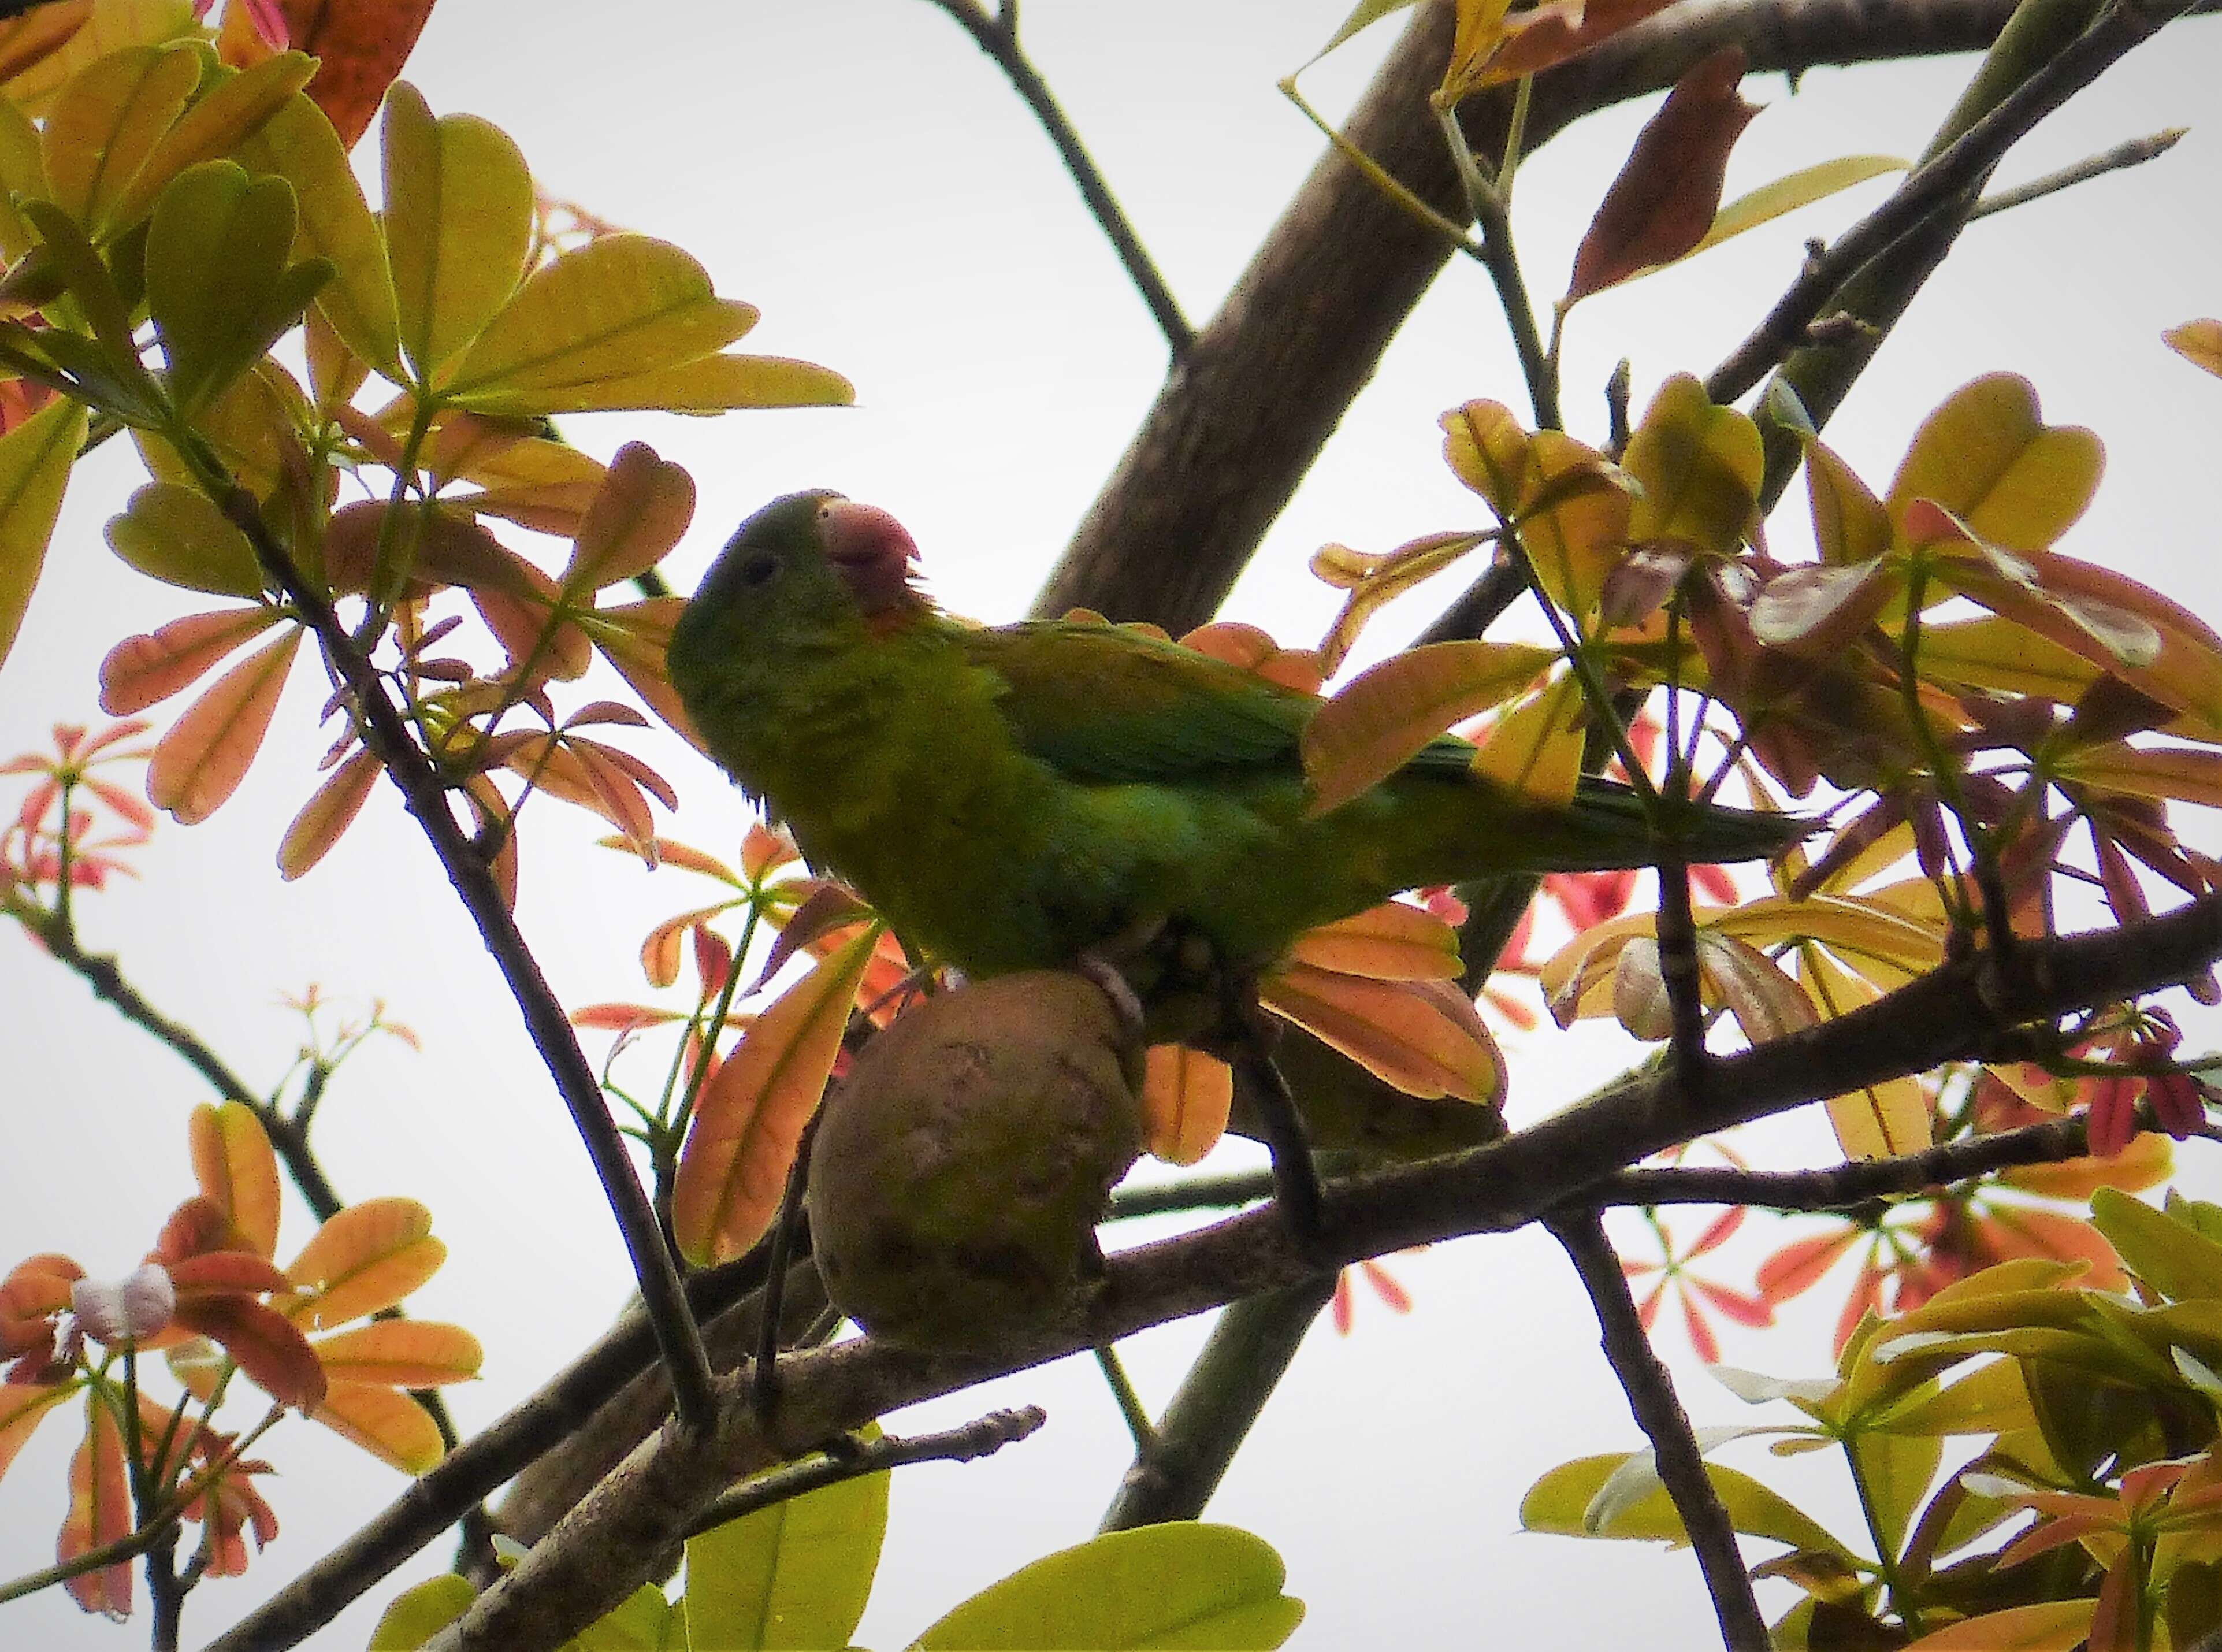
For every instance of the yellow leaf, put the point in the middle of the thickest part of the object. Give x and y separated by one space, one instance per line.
1787 194
1987 456
617 307
1386 714
115 25
36 459
400 1353
1373 580
714 384
214 127
236 1170
200 762
364 1258
1411 1035
2199 342
1475 41
1186 1096
298 144
107 122
1880 1120
1697 468
732 1171
385 1422
1535 748
458 224
1487 449
1995 653
1573 520
2162 772
175 534
1849 524
1394 941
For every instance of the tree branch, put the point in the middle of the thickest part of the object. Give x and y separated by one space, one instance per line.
1243 417
1674 1447
609 1542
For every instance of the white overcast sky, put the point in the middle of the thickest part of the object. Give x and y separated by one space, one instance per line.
859 171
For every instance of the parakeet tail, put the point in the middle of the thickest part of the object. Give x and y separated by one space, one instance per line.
1605 829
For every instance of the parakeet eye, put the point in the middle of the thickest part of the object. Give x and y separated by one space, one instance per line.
758 569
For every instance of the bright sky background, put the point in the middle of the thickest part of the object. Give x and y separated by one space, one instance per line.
859 171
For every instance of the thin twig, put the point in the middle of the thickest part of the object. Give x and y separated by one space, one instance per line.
1191 1193
998 36
1933 185
2134 153
1140 1428
422 791
982 1437
1674 1446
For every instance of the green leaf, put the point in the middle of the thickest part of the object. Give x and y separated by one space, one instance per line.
794 1575
458 224
174 534
108 121
1362 17
620 306
214 125
1556 1503
1895 1470
711 384
89 281
2171 1256
1179 1584
1699 467
416 1615
1990 1400
34 466
216 278
297 143
637 1623
22 175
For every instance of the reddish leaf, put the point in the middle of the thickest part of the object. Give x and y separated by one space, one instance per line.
99 1513
329 812
23 1406
200 762
140 670
359 45
642 507
1424 1037
1799 1265
748 1119
385 1422
1551 34
1664 200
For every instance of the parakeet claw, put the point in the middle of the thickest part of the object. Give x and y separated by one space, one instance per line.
1126 1003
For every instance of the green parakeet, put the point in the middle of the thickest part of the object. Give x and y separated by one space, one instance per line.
1015 798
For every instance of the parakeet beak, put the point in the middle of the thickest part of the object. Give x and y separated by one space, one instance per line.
871 551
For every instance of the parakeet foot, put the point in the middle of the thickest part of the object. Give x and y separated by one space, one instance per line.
1126 1003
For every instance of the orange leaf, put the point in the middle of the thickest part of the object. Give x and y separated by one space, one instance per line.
1411 1035
1391 942
99 1512
201 761
37 34
1186 1096
732 1172
140 670
633 638
330 811
401 1353
1300 668
364 1258
236 1170
267 1345
1664 200
1389 713
642 507
385 1422
1373 580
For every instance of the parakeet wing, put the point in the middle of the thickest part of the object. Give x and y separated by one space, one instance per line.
1101 703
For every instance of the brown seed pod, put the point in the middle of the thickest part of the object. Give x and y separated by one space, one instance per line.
959 1171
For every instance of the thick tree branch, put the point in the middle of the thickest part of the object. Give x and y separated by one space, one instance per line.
610 1542
1674 1447
1242 419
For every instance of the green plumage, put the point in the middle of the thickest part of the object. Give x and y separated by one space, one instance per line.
1007 798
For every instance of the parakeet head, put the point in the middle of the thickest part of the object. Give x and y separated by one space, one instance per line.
809 569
